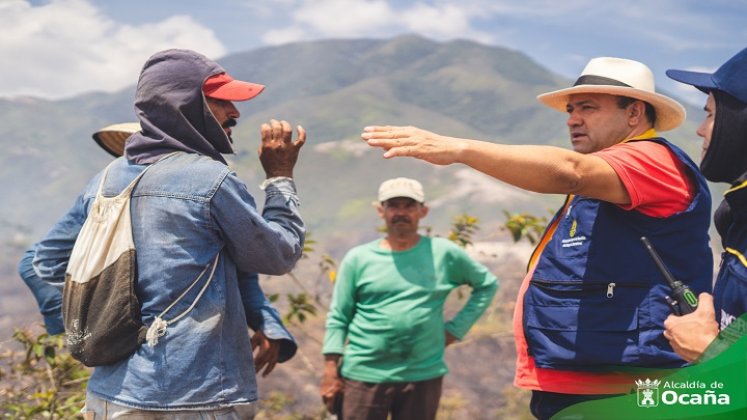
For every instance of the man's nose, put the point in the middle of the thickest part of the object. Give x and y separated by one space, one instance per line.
232 111
573 119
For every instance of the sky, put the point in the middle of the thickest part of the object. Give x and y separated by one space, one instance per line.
57 49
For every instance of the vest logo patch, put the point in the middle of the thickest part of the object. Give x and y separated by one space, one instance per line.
726 319
573 242
572 232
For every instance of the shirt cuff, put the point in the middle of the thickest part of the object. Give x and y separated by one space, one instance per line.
273 180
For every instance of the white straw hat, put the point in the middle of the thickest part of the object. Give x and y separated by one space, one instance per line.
618 76
112 137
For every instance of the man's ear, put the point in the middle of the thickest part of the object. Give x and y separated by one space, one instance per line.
636 113
379 208
423 210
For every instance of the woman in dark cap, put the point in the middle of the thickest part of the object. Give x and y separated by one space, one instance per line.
724 159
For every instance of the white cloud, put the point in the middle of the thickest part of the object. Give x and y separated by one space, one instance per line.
283 36
445 21
377 18
478 187
334 19
344 18
65 47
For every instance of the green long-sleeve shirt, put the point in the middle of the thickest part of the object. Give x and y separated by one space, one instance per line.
389 307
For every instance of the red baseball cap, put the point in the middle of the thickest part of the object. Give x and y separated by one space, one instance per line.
222 86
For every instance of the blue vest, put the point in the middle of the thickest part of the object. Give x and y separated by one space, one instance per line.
596 299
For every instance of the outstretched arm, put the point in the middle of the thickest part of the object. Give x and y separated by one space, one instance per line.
544 169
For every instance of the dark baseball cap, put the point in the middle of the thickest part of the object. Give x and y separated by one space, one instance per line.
731 77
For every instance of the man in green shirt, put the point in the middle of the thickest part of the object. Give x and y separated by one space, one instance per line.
388 304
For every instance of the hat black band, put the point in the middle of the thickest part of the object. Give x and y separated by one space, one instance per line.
598 80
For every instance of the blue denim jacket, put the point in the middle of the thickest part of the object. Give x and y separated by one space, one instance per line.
185 210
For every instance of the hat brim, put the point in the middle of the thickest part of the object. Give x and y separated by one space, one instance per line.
236 90
703 81
669 113
385 197
112 137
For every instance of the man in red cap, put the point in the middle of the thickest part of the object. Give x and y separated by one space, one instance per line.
189 213
272 342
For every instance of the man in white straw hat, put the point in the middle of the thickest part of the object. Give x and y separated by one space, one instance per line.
112 137
593 302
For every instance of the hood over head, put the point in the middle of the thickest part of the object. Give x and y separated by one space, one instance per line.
171 107
725 159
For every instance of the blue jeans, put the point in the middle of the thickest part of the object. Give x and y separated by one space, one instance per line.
99 409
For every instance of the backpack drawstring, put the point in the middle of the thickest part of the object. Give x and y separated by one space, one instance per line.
158 328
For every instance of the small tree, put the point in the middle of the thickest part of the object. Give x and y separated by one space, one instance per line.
525 225
463 227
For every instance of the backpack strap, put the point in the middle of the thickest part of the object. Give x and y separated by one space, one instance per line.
158 328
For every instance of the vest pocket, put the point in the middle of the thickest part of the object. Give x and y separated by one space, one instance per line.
580 325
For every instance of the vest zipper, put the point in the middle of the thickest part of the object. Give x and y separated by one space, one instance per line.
546 284
610 290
